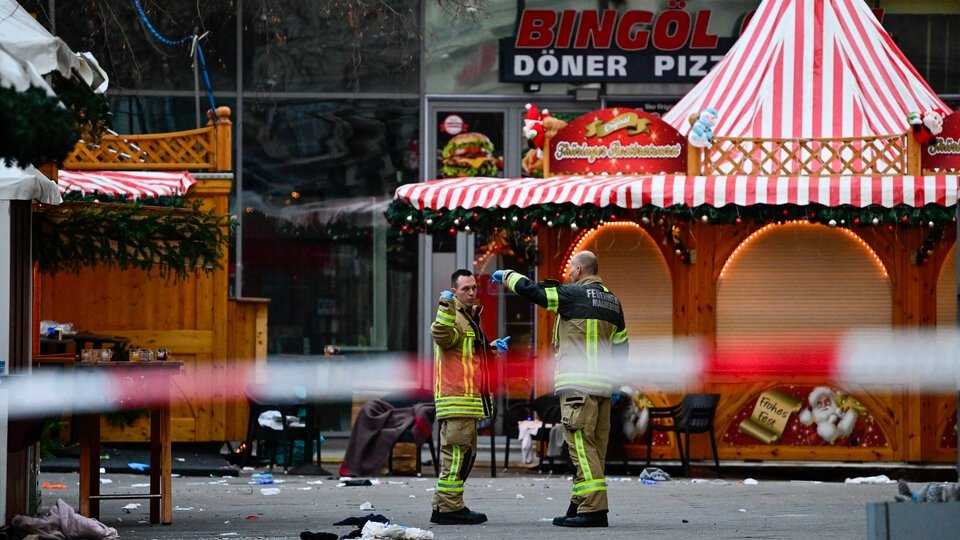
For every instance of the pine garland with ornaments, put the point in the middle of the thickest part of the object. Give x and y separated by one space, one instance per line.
526 221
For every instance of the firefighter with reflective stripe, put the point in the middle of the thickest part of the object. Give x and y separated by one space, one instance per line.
461 393
588 335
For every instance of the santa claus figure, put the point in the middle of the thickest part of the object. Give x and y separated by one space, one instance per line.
533 128
832 421
926 127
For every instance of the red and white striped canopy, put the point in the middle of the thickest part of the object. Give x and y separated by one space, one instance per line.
135 184
810 69
668 190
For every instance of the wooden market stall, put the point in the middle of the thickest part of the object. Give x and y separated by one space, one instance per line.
194 317
811 208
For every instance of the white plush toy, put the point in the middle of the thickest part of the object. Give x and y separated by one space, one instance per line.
637 416
701 133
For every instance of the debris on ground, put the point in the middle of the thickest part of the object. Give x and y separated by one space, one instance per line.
879 479
931 492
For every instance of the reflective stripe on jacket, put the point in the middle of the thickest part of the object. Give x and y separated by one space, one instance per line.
588 333
460 379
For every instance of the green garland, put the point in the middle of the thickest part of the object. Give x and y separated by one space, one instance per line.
36 128
409 220
167 201
91 111
174 241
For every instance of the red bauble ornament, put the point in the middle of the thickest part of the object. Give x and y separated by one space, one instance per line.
738 221
786 213
613 217
452 231
405 229
889 227
856 221
905 219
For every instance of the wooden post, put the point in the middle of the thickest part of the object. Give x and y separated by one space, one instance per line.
693 153
914 155
222 137
546 156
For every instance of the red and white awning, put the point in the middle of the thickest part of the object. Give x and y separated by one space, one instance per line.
810 69
668 190
134 184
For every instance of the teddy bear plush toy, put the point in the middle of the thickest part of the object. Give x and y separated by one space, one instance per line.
926 127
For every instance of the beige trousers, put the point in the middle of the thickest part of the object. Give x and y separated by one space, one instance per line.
458 444
587 422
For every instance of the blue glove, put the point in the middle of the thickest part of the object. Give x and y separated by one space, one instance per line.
498 277
614 398
501 344
447 295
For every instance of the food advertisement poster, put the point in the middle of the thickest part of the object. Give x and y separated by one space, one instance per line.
470 144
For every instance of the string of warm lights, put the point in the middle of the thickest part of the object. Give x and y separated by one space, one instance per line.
766 228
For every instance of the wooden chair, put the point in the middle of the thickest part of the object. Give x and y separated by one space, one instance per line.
694 414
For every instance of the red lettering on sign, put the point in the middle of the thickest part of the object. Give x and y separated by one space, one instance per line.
630 38
671 29
565 33
633 30
701 38
536 28
596 30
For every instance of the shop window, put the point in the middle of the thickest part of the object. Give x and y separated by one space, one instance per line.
317 178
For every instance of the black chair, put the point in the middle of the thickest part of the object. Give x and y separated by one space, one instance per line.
268 437
547 409
409 399
694 414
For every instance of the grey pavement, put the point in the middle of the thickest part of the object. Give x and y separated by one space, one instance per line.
519 505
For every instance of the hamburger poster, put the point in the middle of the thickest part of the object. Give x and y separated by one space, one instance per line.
617 141
470 144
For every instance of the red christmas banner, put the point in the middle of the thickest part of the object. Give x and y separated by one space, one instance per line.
617 141
944 151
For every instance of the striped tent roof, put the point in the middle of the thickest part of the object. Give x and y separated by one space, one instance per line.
810 69
134 184
664 191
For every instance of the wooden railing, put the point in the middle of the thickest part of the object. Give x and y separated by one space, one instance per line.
204 149
806 157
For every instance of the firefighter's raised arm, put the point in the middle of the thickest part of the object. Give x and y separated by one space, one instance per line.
546 294
444 329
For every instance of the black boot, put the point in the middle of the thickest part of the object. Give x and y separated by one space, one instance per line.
571 511
462 516
586 519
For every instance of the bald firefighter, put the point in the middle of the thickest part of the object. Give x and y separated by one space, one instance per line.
588 333
461 393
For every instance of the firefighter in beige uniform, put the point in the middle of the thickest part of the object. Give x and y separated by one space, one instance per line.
461 393
589 332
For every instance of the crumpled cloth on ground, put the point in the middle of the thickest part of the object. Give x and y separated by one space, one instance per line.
527 429
374 529
62 523
655 474
555 446
879 479
362 520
